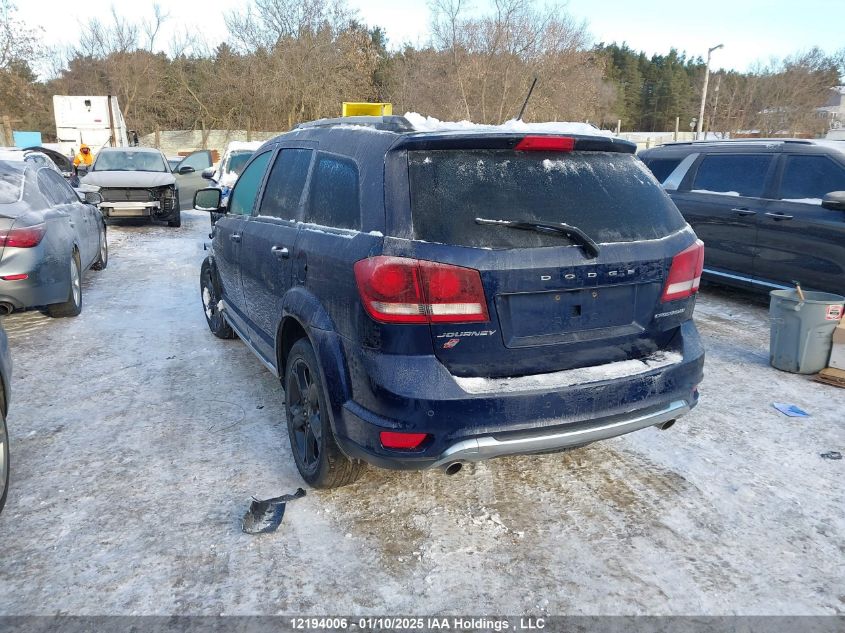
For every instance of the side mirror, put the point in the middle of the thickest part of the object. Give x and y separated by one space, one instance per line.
208 173
208 200
186 169
834 200
82 170
93 197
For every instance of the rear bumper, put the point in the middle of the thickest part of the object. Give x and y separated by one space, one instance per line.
413 394
488 447
47 280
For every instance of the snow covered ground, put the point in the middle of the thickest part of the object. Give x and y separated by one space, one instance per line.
138 438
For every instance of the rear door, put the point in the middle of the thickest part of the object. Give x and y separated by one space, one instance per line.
553 305
722 204
228 234
798 239
189 178
269 239
57 191
89 228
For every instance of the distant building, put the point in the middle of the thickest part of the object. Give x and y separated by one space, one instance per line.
834 109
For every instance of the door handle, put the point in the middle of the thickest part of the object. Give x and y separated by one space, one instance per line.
280 251
779 216
235 237
744 211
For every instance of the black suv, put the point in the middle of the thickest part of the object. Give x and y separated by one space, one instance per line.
769 211
435 298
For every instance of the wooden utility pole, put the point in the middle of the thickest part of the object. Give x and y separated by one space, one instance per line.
113 139
8 135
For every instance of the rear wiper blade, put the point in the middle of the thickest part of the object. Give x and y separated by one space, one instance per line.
572 232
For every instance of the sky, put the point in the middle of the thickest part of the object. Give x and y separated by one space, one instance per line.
751 30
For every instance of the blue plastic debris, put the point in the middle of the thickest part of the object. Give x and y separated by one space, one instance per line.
790 410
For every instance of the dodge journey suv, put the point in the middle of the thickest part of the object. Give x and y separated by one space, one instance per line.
431 298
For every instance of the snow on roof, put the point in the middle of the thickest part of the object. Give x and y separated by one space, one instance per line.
430 124
361 128
238 146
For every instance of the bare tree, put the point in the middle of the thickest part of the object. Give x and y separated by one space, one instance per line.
481 67
19 43
778 98
152 26
264 23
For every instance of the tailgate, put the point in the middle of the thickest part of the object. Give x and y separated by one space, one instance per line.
554 301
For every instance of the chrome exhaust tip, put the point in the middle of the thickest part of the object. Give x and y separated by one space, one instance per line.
454 468
666 425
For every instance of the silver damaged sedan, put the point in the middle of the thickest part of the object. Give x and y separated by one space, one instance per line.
50 234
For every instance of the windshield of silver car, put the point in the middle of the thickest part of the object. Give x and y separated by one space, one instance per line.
129 161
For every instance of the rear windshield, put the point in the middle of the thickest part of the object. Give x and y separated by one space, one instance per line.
611 197
11 182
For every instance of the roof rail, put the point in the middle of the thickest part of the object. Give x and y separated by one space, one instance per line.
398 124
800 141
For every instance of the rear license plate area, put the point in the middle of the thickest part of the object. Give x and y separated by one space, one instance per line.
542 318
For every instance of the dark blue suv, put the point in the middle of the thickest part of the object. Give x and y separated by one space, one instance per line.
435 298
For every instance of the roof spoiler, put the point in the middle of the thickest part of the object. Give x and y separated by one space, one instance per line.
509 140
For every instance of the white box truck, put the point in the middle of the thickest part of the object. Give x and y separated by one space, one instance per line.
95 121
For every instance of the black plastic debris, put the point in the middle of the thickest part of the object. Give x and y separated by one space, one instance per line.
831 455
265 516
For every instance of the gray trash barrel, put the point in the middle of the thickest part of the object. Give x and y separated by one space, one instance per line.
802 331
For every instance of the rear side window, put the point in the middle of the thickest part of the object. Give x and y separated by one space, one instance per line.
11 183
334 193
662 167
62 189
810 178
733 174
285 184
55 191
246 189
611 197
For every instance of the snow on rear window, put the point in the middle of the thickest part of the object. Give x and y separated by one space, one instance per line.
610 196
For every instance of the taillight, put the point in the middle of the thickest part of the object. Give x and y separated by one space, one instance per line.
23 236
546 144
402 441
404 290
685 273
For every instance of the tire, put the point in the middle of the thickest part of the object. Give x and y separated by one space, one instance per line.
4 461
210 294
73 306
103 256
319 460
176 220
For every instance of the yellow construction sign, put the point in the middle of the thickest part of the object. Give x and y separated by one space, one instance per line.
351 108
